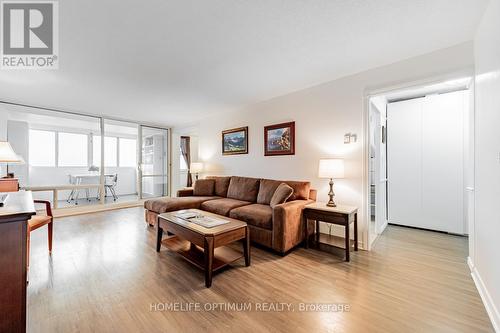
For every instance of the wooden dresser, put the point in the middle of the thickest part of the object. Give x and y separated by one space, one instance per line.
14 215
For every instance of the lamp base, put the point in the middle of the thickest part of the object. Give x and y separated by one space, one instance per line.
331 203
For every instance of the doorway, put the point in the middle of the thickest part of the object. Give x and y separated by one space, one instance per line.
419 165
153 166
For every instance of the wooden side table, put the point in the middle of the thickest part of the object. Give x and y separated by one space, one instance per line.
340 215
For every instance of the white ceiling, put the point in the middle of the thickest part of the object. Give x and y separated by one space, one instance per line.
173 62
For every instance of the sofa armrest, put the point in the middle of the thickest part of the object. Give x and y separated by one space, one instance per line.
288 230
313 194
187 192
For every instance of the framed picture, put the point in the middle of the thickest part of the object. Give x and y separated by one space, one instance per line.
235 141
279 139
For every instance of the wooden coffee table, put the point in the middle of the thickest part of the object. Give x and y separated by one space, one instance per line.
203 247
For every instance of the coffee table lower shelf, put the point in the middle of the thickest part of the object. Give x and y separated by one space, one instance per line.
223 255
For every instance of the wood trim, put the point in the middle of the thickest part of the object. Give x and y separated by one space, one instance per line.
72 211
292 139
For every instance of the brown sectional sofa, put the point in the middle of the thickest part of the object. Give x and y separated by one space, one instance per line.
246 199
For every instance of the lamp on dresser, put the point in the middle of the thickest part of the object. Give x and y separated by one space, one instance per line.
331 168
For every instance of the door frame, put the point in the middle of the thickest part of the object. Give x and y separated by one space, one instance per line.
167 161
376 91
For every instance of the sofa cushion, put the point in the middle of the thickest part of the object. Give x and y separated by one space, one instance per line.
266 190
281 195
268 186
257 215
162 205
221 185
243 188
204 187
222 206
300 189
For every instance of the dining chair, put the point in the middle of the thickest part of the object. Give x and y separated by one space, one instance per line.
38 221
110 184
72 181
82 181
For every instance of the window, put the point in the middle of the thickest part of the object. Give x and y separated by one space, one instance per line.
73 150
182 162
110 151
42 148
96 151
128 153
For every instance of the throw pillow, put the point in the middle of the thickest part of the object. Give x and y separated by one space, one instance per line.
281 195
204 187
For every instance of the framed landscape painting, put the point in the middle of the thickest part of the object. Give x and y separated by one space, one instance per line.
235 141
279 139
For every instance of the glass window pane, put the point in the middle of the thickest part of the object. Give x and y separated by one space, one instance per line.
42 148
96 151
110 151
128 152
73 149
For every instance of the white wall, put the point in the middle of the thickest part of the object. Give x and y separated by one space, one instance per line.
322 114
484 261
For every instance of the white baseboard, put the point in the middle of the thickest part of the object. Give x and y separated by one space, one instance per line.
485 296
382 227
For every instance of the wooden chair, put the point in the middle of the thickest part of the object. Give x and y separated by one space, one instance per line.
38 221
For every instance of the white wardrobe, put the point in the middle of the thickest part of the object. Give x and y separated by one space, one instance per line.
425 161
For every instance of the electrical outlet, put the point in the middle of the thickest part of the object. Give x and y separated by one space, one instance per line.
350 138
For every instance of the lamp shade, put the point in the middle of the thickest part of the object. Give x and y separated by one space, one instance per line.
331 168
7 154
196 167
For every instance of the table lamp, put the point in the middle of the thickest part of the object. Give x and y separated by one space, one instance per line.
195 168
331 168
7 154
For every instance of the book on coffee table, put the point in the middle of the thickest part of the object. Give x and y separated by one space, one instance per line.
203 220
186 214
207 221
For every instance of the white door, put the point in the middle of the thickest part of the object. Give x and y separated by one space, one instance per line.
425 162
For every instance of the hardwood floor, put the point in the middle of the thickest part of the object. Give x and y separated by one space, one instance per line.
105 276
